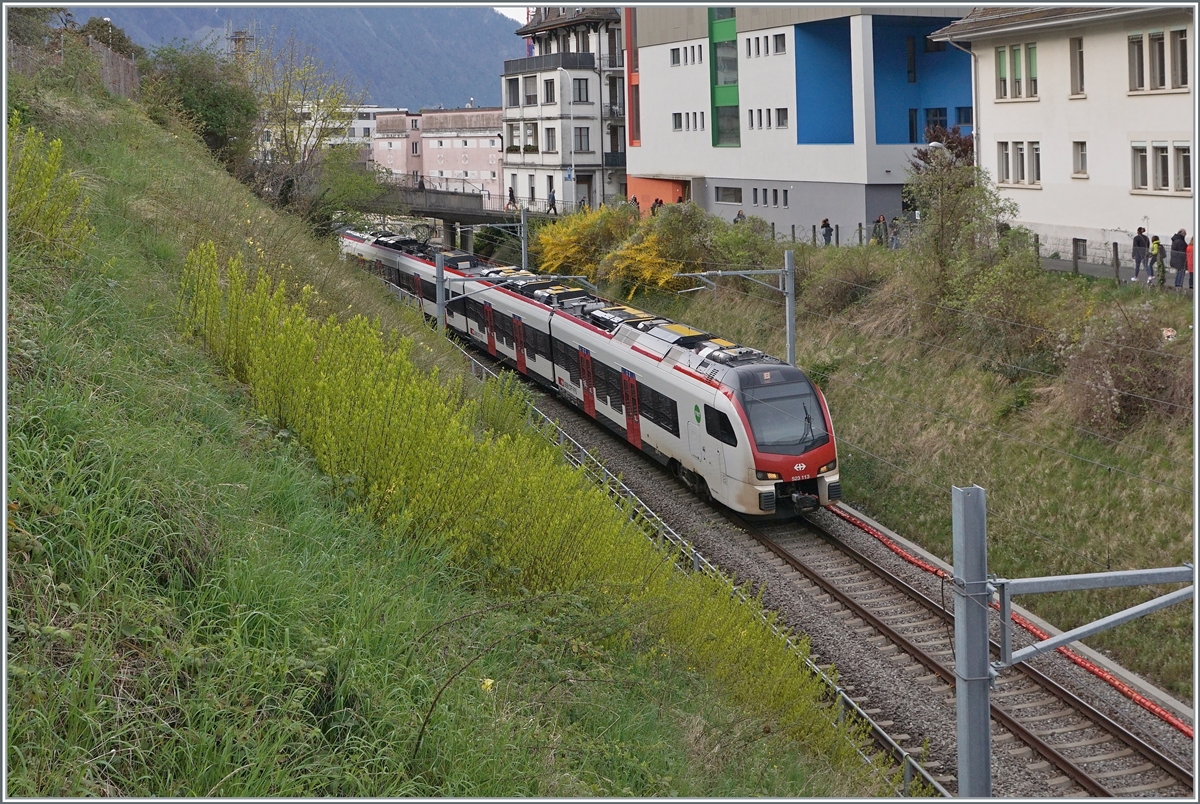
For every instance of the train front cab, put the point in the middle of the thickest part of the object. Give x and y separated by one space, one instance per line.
789 463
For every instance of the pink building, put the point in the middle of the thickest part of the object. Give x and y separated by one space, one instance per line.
463 151
396 146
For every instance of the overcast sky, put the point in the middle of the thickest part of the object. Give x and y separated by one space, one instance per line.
516 12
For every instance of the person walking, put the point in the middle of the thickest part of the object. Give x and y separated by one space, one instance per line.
826 230
512 200
551 207
1190 264
1155 261
879 232
636 205
894 241
738 218
1179 256
1141 249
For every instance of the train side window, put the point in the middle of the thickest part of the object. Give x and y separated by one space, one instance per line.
537 342
567 357
718 426
504 329
658 408
429 291
608 385
475 312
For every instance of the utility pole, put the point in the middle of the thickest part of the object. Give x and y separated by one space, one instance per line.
524 242
971 669
440 272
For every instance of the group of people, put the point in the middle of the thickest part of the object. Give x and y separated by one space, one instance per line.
655 205
1150 252
882 232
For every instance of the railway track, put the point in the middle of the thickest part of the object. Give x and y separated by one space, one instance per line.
1062 741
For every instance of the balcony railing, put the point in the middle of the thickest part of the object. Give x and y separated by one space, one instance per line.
615 109
614 60
552 61
614 160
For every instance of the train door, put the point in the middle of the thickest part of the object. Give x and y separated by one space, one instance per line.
693 434
417 290
489 321
519 342
587 380
633 421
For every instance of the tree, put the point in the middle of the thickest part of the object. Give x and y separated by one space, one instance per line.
302 106
112 37
342 185
211 91
31 26
961 147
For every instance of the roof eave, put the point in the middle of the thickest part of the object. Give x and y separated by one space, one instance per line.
1001 30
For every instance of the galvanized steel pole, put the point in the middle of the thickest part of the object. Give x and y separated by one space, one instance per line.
789 289
440 268
971 666
524 243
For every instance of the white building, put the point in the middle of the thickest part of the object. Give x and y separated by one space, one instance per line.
792 113
564 109
1086 119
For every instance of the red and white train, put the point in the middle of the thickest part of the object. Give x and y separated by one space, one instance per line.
735 424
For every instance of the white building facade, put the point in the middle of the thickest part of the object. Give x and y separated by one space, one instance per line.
793 114
1087 120
564 110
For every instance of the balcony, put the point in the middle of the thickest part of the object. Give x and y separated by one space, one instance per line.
615 109
614 160
534 64
613 61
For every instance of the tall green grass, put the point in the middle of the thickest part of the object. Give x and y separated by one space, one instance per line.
196 609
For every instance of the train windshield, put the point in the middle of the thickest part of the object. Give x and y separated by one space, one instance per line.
786 419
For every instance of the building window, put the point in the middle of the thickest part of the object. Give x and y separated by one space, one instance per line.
723 14
1035 163
912 126
757 47
1183 168
389 145
785 199
728 195
1158 61
579 90
1015 63
768 118
781 117
530 90
699 54
548 91
513 86
780 43
1019 162
551 140
677 121
760 125
350 131
754 196
694 126
1140 168
1077 85
749 118
1179 59
531 130
1137 63
1079 158
674 57
414 122
911 50
582 141
728 130
416 149
963 115
366 133
1162 167
774 198
1002 174
702 121
1031 69
635 113
727 66
748 54
1001 72
935 118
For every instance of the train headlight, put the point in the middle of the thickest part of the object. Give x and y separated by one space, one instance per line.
829 467
761 475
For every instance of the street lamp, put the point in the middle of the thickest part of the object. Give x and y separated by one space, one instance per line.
571 133
109 21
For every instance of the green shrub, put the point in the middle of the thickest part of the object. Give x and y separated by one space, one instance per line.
47 210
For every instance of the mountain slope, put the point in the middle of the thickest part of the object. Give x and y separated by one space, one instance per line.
415 57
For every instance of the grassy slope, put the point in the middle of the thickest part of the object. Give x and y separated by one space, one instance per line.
193 612
913 420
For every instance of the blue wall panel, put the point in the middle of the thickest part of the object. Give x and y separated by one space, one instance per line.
943 78
824 95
